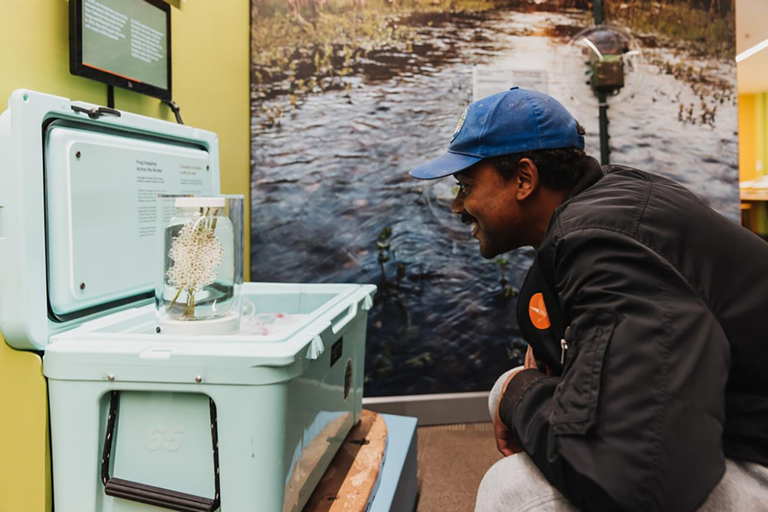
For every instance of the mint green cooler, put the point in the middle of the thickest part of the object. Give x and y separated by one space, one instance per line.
143 420
276 406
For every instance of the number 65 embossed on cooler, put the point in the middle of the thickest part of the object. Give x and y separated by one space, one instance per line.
169 439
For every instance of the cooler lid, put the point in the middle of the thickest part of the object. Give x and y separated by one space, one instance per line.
78 209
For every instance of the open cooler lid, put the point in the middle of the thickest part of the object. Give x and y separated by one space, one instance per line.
78 209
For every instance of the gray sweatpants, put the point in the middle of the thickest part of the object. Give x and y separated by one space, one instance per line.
515 483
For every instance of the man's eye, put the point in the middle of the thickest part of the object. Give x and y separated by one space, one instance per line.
461 188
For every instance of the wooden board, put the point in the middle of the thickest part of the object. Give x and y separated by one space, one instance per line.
347 484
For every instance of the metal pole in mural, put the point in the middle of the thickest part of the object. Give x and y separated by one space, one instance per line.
606 77
602 97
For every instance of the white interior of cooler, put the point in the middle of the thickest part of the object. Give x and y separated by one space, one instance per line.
271 312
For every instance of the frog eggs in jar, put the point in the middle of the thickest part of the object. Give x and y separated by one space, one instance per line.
199 289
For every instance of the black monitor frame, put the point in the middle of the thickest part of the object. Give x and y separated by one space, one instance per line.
77 67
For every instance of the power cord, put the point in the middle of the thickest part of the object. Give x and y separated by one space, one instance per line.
175 109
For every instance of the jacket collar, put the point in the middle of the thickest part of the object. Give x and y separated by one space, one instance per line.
592 174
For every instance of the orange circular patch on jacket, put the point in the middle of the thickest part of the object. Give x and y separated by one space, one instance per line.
538 312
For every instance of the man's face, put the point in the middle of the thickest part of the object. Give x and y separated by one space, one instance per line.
489 204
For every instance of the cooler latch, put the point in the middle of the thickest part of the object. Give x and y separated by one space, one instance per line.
95 113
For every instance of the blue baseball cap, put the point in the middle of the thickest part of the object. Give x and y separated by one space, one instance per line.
509 122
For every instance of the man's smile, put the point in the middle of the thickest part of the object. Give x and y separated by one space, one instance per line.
470 221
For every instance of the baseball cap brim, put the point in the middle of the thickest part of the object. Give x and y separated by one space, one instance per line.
445 165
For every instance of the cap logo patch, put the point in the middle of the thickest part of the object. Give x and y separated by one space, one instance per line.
538 312
460 125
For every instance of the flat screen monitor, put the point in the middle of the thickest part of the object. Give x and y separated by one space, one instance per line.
125 43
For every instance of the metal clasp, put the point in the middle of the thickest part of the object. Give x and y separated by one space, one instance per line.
95 113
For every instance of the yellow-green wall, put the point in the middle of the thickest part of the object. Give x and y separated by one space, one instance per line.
25 469
747 139
753 135
761 133
211 85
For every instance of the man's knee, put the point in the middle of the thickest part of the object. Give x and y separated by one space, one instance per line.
515 483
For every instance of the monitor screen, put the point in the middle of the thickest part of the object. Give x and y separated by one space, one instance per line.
126 43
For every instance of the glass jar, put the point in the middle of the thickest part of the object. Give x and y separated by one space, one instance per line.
199 292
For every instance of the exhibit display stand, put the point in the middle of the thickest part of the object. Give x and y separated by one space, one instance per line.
140 418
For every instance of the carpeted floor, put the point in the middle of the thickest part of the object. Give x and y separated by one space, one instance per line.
452 460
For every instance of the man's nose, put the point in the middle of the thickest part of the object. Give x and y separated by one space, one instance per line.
458 204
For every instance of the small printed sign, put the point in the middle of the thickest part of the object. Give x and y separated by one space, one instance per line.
336 350
488 80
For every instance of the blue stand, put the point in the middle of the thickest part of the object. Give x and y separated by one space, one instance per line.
397 487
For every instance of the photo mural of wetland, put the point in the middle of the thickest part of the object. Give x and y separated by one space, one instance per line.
349 95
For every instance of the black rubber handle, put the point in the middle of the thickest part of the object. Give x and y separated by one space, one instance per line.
148 494
158 496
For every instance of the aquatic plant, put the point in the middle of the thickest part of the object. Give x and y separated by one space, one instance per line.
382 244
707 82
514 354
705 116
400 273
502 263
272 116
419 361
507 290
706 27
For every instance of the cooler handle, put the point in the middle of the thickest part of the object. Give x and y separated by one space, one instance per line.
343 319
148 494
363 300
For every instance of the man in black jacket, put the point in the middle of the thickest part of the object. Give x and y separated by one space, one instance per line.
646 313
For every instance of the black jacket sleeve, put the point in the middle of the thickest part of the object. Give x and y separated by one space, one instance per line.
635 421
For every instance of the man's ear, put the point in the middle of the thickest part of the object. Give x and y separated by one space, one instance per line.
527 178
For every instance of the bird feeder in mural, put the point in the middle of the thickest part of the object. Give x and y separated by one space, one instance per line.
606 49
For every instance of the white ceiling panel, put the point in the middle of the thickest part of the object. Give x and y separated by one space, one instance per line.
751 29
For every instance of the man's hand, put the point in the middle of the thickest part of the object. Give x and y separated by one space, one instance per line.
530 361
505 439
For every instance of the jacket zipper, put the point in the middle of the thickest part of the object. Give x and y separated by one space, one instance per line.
564 346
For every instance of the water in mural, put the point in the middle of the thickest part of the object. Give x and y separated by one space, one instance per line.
348 95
